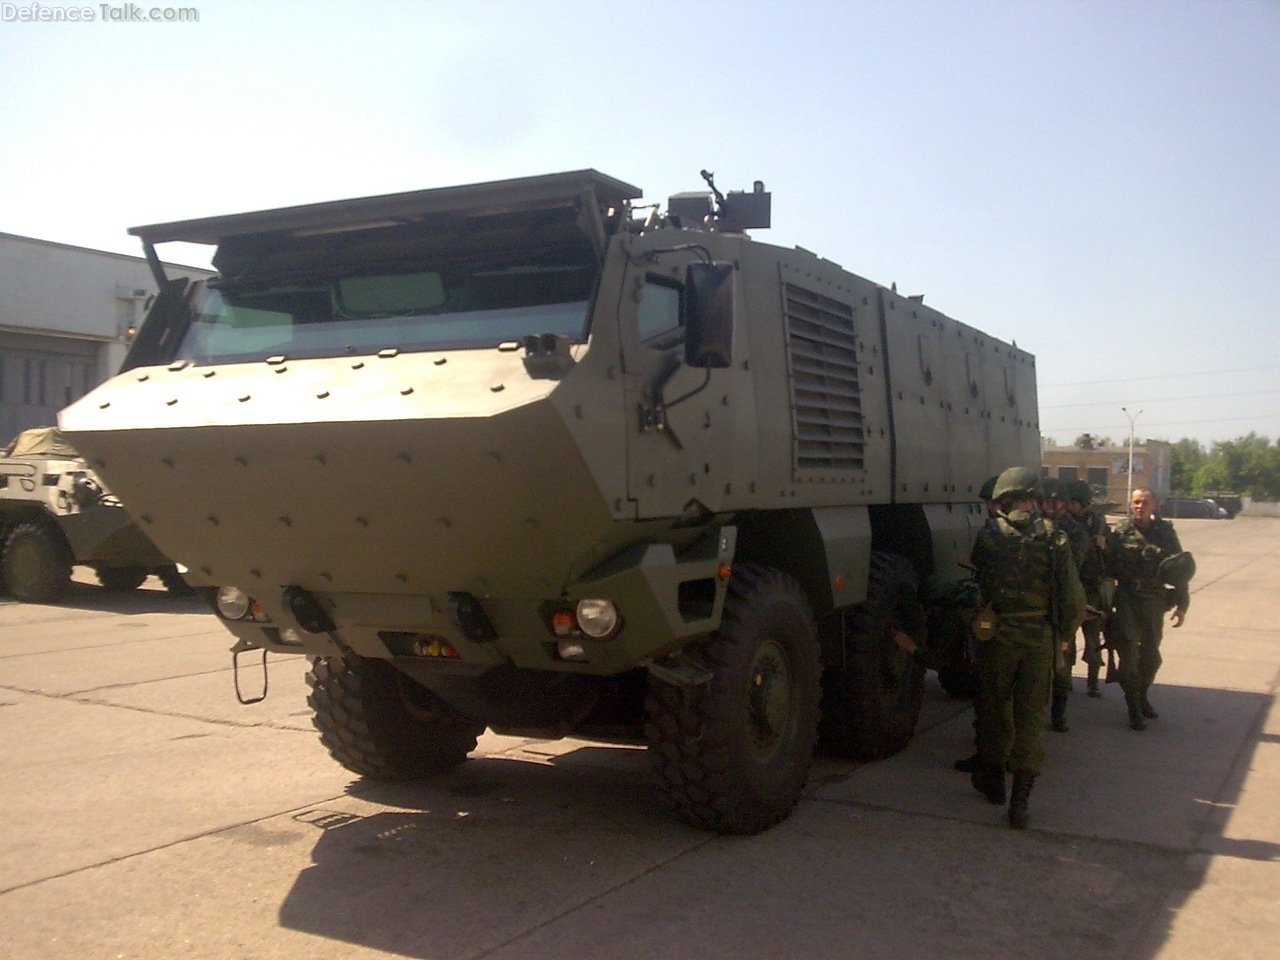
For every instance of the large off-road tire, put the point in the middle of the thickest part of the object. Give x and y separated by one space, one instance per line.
381 724
121 578
732 755
870 705
36 562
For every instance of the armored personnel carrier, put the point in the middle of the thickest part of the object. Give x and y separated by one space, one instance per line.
55 512
531 455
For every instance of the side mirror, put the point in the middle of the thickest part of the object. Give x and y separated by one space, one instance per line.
708 321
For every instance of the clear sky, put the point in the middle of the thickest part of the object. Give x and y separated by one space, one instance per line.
1099 181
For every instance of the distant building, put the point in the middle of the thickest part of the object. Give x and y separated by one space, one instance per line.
1107 468
67 315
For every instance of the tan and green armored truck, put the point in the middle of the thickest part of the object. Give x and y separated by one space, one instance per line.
532 456
55 512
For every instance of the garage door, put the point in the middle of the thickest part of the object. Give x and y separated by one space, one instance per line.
36 383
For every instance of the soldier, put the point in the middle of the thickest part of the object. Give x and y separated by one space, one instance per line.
1144 556
1092 574
1053 505
974 761
1031 594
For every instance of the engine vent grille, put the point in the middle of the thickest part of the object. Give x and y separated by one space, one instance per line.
826 401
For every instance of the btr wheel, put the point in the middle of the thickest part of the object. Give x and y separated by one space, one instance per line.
381 724
871 704
36 563
732 754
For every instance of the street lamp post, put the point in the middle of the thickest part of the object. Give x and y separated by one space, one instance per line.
1128 497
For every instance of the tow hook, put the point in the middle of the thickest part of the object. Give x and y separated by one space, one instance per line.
243 646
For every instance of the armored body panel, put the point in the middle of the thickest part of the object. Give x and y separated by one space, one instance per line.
541 454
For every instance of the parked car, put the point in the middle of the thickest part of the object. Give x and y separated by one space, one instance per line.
1192 509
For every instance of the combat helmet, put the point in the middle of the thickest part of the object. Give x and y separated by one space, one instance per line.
1052 488
1178 569
1080 492
1017 480
988 485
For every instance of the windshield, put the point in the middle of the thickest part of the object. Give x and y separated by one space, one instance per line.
451 306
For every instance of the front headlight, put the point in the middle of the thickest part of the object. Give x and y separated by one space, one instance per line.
597 618
233 603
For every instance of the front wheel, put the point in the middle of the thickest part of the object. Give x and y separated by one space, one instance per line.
36 563
871 704
732 755
382 724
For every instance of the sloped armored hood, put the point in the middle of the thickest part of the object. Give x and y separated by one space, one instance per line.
410 474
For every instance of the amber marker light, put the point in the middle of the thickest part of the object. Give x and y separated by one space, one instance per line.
562 624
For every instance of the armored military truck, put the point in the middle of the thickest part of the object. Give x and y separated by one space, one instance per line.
534 456
55 512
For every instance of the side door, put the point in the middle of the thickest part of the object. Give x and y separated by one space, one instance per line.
682 454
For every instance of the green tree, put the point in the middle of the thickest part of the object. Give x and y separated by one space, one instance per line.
1186 457
1248 466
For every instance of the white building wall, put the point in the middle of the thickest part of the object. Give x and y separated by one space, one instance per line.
66 319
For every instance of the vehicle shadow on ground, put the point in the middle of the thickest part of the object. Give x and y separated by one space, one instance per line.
97 599
499 849
481 854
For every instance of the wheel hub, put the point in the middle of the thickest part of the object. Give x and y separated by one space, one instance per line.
769 698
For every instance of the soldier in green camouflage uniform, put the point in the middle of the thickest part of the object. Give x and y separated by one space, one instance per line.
1092 572
1053 506
1135 551
1028 579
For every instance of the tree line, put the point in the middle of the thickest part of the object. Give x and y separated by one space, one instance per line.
1248 466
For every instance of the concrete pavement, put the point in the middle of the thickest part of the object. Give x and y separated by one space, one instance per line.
144 813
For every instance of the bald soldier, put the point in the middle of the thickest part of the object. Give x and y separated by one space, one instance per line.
1150 568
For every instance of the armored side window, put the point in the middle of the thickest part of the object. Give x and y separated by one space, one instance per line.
658 317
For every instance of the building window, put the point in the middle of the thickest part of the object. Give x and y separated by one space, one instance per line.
1068 473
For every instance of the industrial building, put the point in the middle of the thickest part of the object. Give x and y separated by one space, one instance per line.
67 315
1107 468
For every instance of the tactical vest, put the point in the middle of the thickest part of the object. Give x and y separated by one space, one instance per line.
1017 566
1135 554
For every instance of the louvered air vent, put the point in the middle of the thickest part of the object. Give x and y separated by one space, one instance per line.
826 402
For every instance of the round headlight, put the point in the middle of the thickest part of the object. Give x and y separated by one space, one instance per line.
597 618
233 603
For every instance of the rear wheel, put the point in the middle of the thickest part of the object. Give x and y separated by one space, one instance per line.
121 578
732 755
36 563
381 724
870 705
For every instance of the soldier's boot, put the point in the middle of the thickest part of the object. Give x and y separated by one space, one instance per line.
1058 713
1135 711
989 781
969 764
1144 704
1093 681
1018 797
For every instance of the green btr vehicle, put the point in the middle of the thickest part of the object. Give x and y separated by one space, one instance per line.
55 512
534 456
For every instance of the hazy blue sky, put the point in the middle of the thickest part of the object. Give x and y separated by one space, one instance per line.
1098 181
